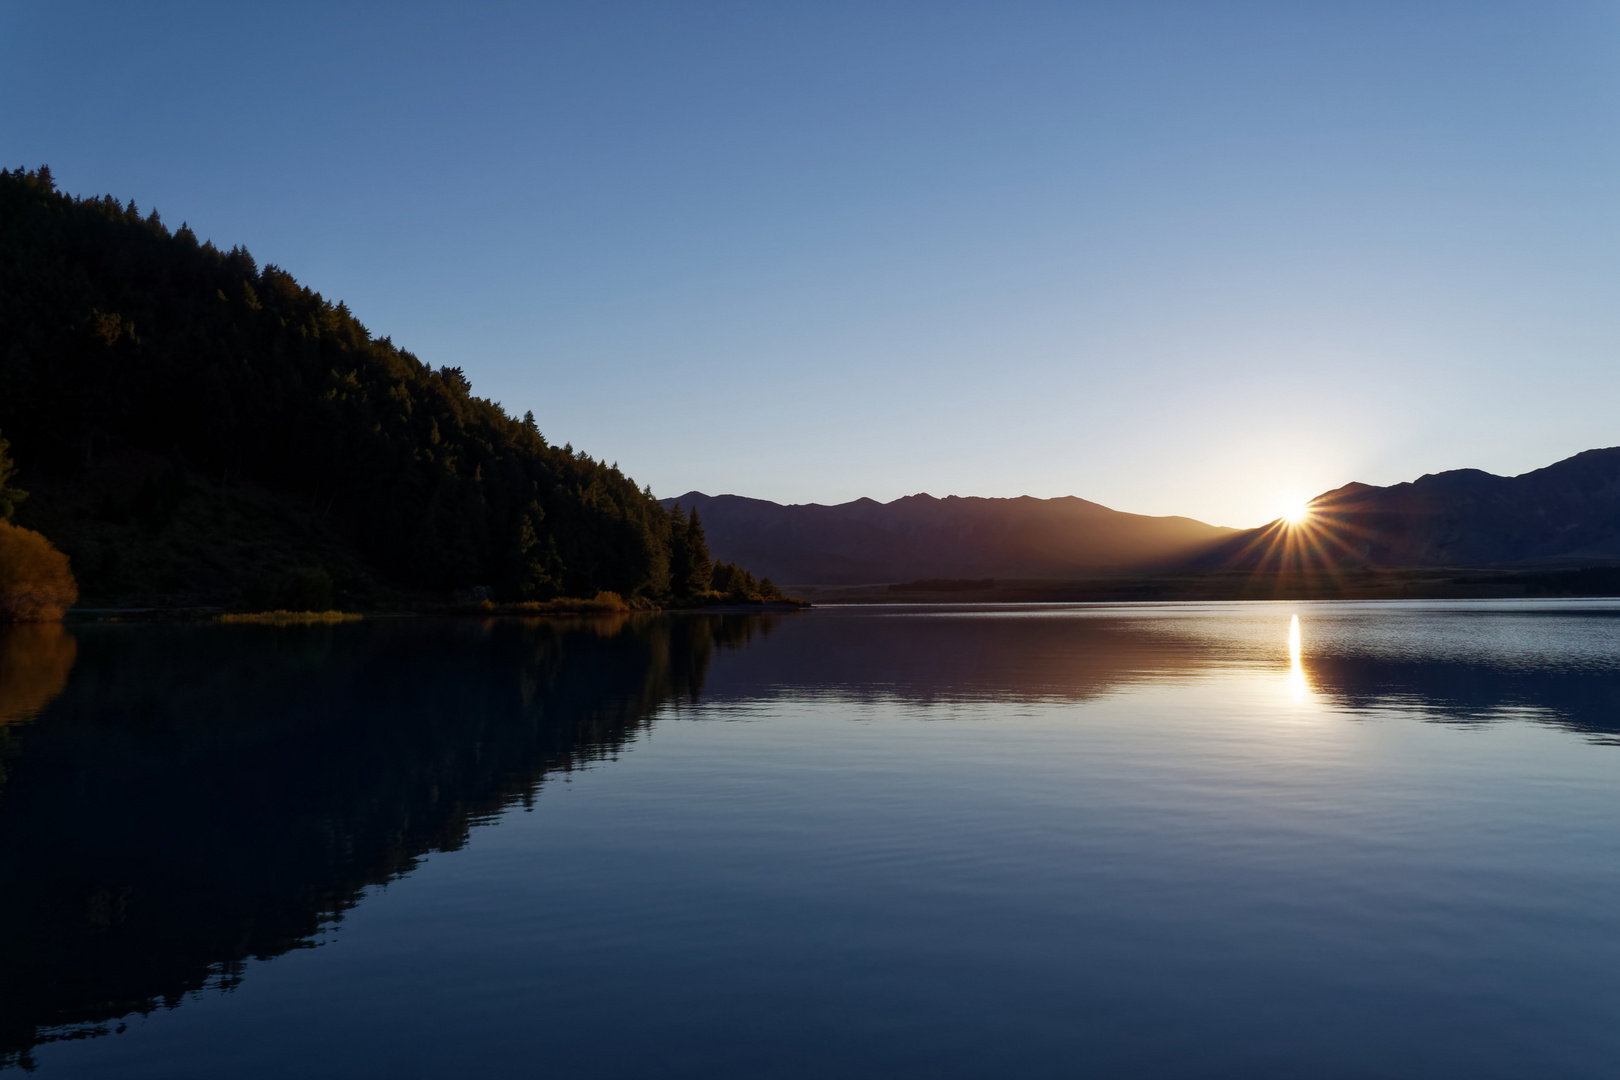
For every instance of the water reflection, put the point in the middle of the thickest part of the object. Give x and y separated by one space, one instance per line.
35 659
195 797
200 796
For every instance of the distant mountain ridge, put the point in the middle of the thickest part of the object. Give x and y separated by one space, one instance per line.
1567 513
920 536
1564 515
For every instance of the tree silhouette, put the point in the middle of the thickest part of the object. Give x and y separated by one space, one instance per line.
10 496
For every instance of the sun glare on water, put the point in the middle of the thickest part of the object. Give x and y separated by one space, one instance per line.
1297 683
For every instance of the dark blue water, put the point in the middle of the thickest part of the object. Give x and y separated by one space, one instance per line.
1144 841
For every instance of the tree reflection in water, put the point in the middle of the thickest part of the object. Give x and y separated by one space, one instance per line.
203 795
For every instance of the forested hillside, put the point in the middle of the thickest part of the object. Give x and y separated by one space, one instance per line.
192 423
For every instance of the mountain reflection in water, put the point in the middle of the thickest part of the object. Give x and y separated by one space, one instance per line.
180 800
1467 661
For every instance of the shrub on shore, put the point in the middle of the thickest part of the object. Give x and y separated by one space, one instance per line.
602 603
36 581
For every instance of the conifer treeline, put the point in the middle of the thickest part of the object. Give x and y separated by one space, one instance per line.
115 331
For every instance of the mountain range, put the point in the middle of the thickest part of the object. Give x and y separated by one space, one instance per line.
1564 515
921 536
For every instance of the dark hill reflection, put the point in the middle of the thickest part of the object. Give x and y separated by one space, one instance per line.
202 795
1557 663
1456 692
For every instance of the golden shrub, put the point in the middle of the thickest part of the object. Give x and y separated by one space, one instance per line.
36 582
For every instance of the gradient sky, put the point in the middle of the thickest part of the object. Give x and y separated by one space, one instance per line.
1198 259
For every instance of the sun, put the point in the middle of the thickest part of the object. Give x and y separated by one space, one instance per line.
1295 513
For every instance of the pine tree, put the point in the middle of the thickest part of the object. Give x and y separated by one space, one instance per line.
698 568
679 557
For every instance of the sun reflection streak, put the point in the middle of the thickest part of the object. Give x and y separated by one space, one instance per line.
1296 666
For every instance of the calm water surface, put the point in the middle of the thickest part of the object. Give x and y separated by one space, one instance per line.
1051 841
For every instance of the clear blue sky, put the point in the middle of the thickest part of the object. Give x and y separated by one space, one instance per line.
1197 258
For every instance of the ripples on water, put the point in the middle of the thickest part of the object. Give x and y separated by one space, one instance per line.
1043 841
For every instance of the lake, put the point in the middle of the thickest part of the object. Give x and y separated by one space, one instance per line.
1224 840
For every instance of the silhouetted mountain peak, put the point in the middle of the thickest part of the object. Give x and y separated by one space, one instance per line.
1456 480
1350 491
1567 512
